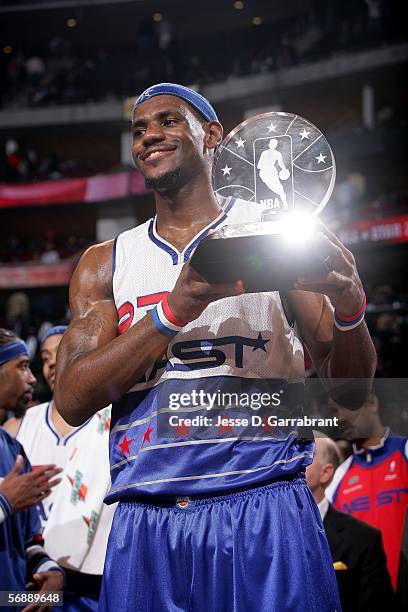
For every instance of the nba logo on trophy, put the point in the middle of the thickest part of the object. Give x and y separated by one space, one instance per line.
272 170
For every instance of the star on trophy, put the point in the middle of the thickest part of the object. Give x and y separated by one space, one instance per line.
284 165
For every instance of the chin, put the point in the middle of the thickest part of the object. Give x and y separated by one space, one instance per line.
164 181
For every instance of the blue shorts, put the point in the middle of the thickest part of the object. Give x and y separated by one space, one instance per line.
259 549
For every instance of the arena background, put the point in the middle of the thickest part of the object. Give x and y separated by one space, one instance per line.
70 70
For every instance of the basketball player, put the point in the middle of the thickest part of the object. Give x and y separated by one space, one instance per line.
21 546
68 537
220 523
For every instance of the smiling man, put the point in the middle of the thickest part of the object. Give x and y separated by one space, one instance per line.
218 521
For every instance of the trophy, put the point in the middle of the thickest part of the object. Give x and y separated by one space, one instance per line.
284 164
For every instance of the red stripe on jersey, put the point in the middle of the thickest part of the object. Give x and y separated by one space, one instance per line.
151 299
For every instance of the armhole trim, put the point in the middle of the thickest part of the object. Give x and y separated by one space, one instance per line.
114 257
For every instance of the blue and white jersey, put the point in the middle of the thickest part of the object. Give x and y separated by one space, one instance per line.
243 345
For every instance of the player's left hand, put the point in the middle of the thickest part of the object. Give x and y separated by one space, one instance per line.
46 582
342 285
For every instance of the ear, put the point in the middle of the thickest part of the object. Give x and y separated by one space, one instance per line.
213 134
327 474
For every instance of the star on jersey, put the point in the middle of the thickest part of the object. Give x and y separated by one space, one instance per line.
226 170
321 159
304 134
272 128
259 343
146 437
240 143
125 446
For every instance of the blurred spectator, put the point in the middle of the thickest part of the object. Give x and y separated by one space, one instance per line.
18 313
357 551
50 254
372 484
51 167
15 166
35 69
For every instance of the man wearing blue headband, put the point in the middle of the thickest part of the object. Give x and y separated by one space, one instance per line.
47 437
21 490
16 379
208 518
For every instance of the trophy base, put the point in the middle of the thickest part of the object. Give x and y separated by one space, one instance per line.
264 262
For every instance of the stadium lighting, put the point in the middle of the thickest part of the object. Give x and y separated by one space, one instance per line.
238 5
71 23
157 17
257 20
7 49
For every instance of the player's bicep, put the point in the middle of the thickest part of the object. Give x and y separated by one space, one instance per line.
314 317
94 316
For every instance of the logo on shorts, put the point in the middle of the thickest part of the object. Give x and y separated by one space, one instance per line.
183 502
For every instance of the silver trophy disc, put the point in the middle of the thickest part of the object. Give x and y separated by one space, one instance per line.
284 163
279 160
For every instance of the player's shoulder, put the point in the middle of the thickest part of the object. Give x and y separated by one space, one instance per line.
93 274
97 253
95 262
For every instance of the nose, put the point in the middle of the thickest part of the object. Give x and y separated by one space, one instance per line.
154 133
31 378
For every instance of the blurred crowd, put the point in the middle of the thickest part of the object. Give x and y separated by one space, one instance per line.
63 73
19 164
351 200
50 250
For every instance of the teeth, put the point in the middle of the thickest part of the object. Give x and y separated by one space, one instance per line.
154 154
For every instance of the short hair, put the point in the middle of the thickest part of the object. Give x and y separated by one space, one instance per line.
7 336
331 453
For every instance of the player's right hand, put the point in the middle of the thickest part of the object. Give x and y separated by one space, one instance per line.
192 293
25 490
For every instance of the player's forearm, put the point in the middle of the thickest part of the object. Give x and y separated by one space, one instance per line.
92 380
351 366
